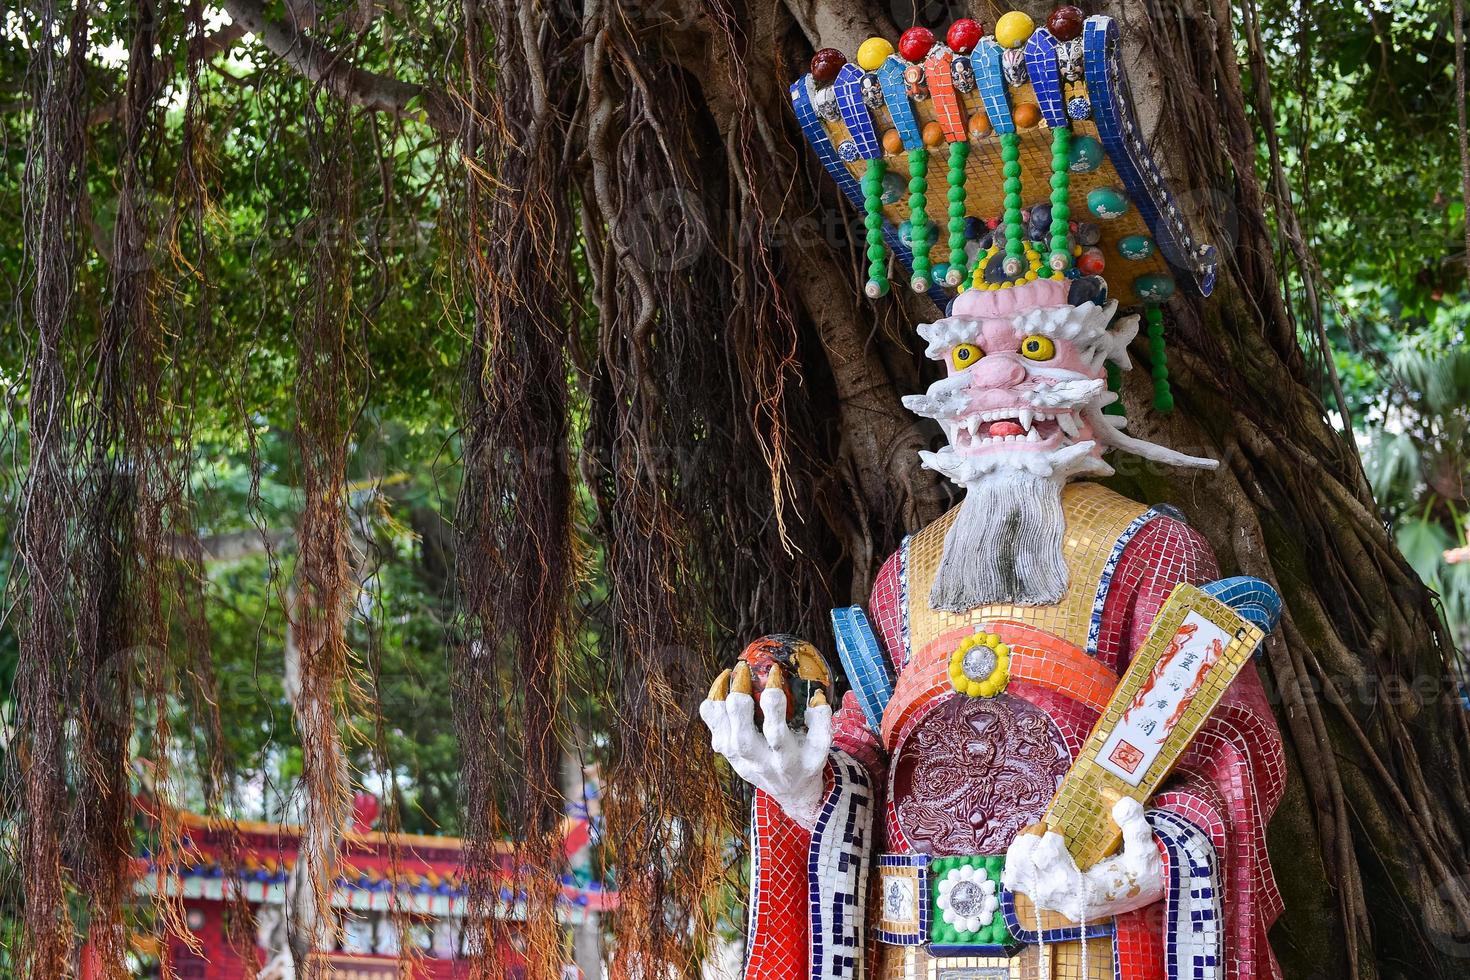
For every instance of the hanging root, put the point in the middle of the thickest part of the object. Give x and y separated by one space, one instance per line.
516 565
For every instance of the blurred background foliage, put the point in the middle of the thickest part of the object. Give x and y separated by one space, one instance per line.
1365 106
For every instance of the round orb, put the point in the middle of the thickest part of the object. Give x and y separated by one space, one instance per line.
1154 287
892 142
980 126
1085 155
1012 30
1088 289
915 43
933 134
963 35
1091 261
872 53
979 663
803 671
1136 247
895 187
1107 203
826 63
1026 115
1065 23
1088 233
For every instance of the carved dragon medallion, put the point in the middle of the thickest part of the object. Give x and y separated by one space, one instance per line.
974 772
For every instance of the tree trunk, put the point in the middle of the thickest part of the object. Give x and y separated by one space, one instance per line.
1369 847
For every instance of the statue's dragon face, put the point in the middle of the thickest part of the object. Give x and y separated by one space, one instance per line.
1001 391
1024 381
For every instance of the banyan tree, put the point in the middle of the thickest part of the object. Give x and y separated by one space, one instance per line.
591 237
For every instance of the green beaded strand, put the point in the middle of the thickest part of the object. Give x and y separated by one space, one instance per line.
918 217
1061 184
958 152
873 219
1115 385
1163 395
1010 155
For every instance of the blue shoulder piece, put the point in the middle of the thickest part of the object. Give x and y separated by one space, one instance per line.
1254 599
863 660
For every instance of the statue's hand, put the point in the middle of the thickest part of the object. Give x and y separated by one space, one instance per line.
1041 869
788 765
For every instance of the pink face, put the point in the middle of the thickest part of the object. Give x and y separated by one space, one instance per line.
1009 390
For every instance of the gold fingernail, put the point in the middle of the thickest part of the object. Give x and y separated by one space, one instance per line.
818 698
740 683
776 678
721 687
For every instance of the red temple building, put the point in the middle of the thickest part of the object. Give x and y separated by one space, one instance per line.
393 891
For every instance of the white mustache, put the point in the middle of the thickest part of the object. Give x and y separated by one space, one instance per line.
947 399
1061 463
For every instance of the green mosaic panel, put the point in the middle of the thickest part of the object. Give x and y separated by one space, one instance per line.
941 932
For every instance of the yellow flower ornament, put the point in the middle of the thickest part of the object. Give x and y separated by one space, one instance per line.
980 666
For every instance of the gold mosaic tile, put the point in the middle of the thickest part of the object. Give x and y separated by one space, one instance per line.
1096 517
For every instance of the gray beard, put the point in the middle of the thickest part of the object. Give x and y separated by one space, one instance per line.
1005 545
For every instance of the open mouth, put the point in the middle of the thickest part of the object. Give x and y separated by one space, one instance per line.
1015 427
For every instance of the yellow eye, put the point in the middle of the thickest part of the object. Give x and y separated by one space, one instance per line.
965 355
1038 348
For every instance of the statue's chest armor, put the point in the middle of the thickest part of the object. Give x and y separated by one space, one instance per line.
1099 523
968 773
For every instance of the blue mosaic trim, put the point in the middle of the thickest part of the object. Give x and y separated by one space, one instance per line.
1105 584
1194 926
921 862
903 600
755 890
991 81
1046 77
1255 600
1122 137
863 661
837 871
849 89
896 96
1067 934
979 949
816 135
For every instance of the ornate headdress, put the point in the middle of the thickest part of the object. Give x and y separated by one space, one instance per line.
1032 135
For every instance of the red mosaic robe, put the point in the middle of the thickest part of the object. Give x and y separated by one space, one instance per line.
1225 787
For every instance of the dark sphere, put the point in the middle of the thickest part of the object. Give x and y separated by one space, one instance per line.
1065 23
1038 223
826 63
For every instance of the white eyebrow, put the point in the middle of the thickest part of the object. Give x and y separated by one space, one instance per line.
943 335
